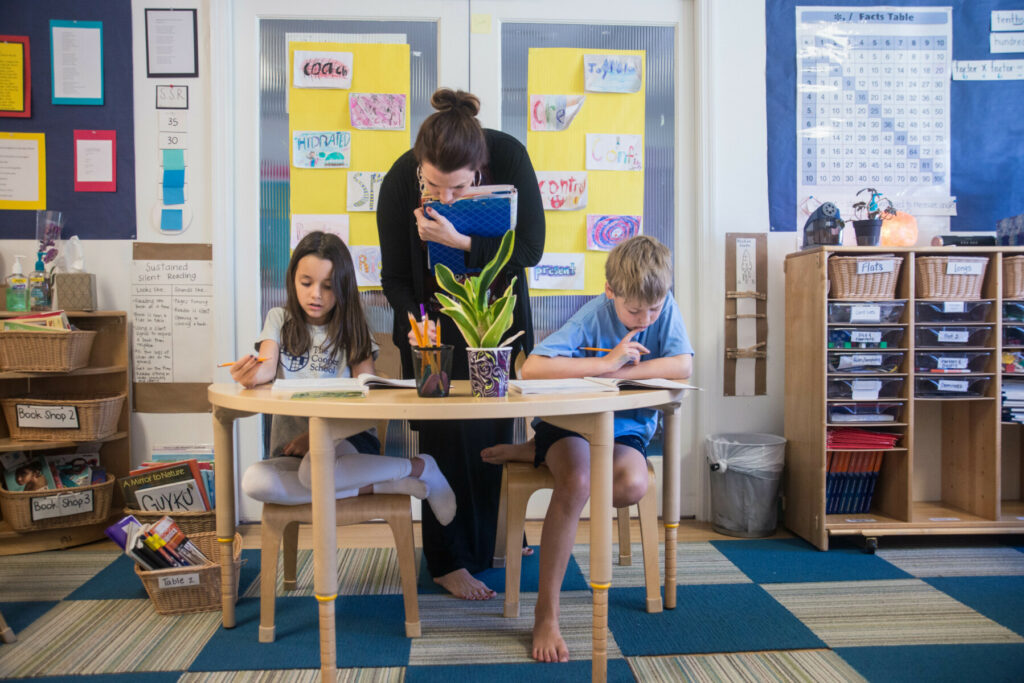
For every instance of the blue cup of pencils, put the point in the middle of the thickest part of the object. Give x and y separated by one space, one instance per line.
432 366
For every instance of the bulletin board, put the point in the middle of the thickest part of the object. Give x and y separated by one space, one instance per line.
90 215
559 71
986 166
375 68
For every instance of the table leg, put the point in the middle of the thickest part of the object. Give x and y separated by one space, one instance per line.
601 445
325 541
224 459
670 496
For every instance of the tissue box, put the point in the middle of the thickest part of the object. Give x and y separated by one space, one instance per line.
74 291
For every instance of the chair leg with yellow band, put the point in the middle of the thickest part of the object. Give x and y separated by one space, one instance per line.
521 480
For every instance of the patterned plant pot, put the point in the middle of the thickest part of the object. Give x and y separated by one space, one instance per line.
488 371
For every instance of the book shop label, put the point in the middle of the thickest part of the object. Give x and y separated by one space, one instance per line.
46 417
179 581
868 267
62 505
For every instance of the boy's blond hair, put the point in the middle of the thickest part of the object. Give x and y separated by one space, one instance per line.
640 270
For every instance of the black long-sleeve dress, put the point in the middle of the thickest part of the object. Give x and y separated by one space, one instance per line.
468 542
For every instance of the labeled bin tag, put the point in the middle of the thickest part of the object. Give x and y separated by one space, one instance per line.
866 389
952 306
953 385
866 336
952 363
865 313
953 336
964 267
883 266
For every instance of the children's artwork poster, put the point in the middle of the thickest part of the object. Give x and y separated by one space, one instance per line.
605 231
321 69
562 190
366 259
559 271
612 73
305 223
363 189
615 152
553 112
321 148
377 111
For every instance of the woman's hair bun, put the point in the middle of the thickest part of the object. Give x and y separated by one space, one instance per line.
446 99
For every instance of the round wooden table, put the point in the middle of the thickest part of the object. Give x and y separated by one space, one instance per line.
333 419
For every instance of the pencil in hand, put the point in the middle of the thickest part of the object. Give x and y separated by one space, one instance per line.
224 365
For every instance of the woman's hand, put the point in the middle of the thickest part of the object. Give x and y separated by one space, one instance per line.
297 446
433 227
245 370
626 352
431 335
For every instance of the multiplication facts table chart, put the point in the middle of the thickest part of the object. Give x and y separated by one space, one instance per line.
873 105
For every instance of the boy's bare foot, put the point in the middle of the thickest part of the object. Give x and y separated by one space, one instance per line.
508 452
548 645
461 584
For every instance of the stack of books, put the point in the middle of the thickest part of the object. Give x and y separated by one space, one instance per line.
177 486
1013 400
850 437
51 321
160 545
850 480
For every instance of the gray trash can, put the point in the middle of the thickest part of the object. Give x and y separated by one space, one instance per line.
745 474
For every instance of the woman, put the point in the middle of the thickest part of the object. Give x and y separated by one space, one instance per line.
452 153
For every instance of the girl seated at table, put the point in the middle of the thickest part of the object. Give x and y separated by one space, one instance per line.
320 333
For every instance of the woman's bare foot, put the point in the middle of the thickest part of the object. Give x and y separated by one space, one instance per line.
548 645
461 584
508 452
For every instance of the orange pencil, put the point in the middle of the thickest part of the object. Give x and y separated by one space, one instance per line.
593 348
416 331
224 365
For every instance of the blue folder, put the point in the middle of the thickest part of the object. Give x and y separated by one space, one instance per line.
490 214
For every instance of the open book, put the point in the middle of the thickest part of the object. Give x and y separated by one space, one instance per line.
337 387
589 385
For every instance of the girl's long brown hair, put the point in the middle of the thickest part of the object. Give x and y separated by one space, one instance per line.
346 324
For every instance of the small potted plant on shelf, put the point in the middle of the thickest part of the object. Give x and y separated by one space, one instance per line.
868 215
481 321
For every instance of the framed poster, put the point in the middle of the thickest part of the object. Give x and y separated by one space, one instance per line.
76 62
171 47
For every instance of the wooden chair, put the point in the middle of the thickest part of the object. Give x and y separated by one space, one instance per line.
6 632
280 527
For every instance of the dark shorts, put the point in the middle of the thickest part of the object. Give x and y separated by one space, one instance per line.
364 442
545 436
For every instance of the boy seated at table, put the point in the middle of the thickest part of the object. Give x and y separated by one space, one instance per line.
639 321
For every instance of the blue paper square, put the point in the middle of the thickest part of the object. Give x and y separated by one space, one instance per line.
171 219
173 195
174 178
174 160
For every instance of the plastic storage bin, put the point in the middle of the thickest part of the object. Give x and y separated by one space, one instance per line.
865 337
952 311
952 335
866 389
1013 335
745 474
866 312
1013 311
865 412
864 361
951 361
1013 362
950 387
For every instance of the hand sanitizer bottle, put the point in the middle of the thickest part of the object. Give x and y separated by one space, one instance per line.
39 287
17 287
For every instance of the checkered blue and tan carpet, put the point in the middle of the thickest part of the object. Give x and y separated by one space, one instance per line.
756 610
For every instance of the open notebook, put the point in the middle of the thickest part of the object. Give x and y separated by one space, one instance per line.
337 387
589 385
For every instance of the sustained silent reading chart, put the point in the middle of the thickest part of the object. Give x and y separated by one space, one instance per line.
873 106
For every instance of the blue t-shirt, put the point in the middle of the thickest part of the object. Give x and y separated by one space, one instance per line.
596 324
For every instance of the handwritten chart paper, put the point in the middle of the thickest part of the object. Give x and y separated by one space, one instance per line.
873 109
305 223
22 171
377 111
367 262
172 314
605 231
322 69
562 190
15 77
615 152
321 149
553 112
558 271
363 189
612 73
76 62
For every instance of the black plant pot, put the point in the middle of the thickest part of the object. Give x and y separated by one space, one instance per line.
868 232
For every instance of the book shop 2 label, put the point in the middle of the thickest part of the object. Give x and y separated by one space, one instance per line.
47 417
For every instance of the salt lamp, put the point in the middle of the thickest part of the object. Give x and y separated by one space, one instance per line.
899 230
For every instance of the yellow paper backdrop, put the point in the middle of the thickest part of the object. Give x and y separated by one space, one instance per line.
559 71
375 69
40 203
12 77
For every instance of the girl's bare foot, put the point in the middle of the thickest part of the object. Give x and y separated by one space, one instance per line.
548 645
461 584
508 452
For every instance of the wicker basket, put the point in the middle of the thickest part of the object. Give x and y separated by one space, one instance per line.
189 522
58 351
204 592
97 417
934 283
17 507
1013 277
848 284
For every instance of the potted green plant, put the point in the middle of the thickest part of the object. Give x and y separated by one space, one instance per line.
868 215
482 322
